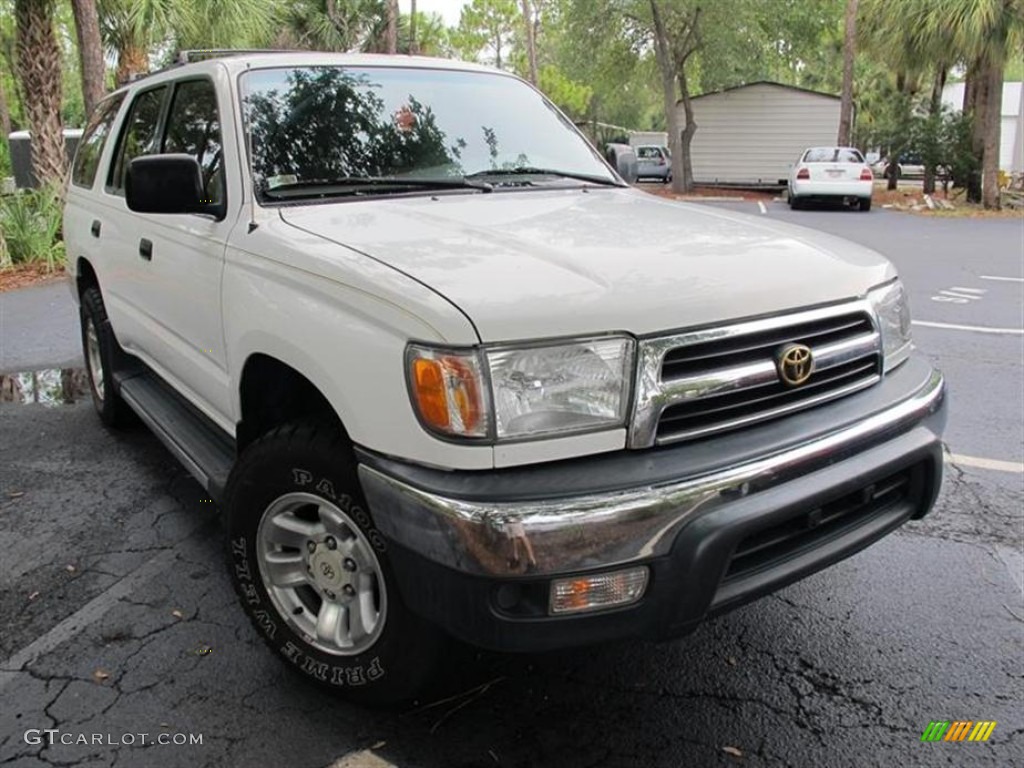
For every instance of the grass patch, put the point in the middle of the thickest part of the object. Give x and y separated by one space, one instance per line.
30 229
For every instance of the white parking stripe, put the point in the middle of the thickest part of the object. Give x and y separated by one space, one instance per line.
1005 279
363 759
88 614
968 290
761 206
974 328
998 465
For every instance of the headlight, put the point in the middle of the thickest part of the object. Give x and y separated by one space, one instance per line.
529 392
893 312
573 387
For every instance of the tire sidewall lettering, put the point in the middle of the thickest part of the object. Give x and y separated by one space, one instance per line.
348 675
304 478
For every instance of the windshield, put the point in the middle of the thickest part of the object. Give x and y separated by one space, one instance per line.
319 131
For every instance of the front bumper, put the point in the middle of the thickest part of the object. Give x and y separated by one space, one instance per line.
718 522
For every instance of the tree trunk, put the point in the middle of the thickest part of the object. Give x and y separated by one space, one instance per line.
90 52
978 76
991 119
131 60
688 131
39 68
934 110
5 113
414 46
392 35
849 51
663 55
531 39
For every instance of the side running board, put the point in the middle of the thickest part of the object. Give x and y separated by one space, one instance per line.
200 445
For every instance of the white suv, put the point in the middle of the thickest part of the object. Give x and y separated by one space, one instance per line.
409 329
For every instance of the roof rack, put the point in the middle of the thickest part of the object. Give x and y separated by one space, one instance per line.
187 57
191 56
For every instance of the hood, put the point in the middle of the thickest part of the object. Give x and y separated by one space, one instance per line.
539 264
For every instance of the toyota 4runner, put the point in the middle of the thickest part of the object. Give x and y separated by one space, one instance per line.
403 322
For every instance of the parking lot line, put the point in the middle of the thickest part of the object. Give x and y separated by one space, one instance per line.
1017 467
88 614
1005 279
974 328
761 206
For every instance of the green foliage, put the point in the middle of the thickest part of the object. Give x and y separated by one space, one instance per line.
487 25
152 26
572 97
5 158
30 224
342 25
944 139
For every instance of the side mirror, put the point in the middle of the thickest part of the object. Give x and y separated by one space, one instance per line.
167 184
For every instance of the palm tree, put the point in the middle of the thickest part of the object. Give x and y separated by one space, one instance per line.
334 25
90 52
849 51
392 35
135 28
39 69
978 34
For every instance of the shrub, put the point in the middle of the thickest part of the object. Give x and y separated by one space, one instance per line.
30 228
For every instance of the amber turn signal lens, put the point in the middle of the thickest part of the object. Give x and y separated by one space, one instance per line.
447 393
428 378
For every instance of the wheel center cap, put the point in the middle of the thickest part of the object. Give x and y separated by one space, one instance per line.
327 569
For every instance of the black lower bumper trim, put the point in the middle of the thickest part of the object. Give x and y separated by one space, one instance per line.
704 573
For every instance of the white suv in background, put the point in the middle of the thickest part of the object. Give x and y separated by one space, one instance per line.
824 173
407 327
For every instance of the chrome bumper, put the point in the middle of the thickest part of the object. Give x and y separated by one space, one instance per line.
585 532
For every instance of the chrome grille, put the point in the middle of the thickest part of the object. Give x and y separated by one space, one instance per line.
695 384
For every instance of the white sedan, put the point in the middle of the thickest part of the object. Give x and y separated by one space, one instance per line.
831 172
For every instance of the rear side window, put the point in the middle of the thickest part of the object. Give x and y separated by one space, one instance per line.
140 135
193 128
93 140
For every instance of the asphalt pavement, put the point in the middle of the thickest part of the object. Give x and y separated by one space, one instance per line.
120 628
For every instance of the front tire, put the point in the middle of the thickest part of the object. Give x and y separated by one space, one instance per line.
101 352
313 573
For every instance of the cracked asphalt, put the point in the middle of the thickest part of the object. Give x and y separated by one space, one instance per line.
117 618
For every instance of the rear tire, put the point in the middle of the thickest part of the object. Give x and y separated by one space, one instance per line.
865 204
102 354
313 573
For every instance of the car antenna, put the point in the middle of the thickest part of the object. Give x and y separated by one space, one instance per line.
252 174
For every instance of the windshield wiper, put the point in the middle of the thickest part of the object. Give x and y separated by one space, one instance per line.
529 170
347 185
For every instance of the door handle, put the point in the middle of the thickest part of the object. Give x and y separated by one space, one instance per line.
146 249
95 229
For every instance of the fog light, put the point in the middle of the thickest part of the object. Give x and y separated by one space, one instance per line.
603 590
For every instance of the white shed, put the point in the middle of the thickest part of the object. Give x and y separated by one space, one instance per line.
751 134
1011 128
